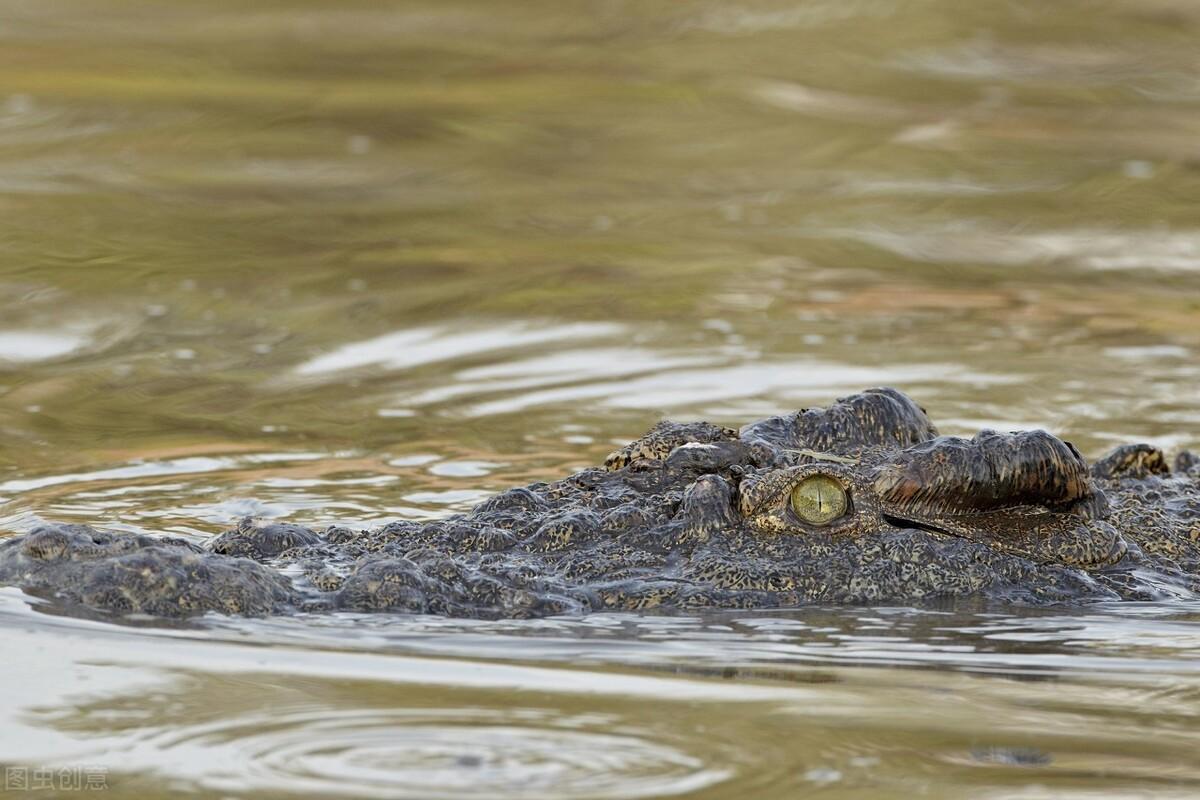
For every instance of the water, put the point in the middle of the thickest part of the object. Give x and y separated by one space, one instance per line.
376 261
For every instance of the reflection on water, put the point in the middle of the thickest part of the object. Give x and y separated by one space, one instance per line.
371 261
1053 704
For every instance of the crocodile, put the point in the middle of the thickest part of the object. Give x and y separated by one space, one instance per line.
860 502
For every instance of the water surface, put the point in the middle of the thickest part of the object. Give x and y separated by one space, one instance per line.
375 261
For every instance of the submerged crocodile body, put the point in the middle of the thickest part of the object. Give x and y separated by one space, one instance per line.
861 502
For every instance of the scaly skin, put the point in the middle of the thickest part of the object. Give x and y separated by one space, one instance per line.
697 516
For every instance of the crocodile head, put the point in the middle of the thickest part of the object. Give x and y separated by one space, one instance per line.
863 501
860 502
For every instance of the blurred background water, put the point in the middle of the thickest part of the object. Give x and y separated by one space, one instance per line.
359 261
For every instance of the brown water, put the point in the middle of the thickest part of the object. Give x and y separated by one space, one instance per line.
353 262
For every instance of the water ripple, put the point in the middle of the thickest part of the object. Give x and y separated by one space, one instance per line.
410 348
437 753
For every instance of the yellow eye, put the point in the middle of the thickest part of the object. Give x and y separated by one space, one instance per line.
819 500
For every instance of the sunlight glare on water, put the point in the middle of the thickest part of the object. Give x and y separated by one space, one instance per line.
349 263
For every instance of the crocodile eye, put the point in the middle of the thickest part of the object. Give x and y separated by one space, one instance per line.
819 499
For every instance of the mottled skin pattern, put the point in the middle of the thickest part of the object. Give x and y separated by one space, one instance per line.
698 516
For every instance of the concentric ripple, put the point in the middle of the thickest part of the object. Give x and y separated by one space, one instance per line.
450 753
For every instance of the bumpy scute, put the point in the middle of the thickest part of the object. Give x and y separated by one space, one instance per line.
128 573
262 539
663 438
1135 461
874 418
991 471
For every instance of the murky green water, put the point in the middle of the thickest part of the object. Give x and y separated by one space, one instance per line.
358 261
